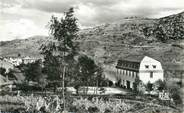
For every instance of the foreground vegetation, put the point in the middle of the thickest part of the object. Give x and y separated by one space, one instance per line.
53 104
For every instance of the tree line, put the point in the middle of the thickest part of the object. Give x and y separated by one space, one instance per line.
63 63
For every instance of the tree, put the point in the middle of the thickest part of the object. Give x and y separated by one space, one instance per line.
118 83
149 86
161 85
160 33
19 55
176 94
2 71
61 50
51 66
178 32
136 84
10 74
33 71
89 74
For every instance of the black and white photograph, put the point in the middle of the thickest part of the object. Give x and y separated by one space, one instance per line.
91 56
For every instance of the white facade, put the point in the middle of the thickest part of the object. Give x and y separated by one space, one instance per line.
150 70
147 70
15 61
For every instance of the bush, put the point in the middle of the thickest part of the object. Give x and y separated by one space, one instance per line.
93 109
177 98
107 110
176 95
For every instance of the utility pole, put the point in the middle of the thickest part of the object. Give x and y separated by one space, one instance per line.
63 81
64 72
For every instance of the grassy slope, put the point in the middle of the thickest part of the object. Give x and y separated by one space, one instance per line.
26 47
108 42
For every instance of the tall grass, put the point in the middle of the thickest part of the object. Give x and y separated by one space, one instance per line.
53 104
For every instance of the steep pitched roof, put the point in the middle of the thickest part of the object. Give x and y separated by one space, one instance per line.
130 62
133 58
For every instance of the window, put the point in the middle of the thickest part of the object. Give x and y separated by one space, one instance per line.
146 66
151 74
136 74
130 73
154 66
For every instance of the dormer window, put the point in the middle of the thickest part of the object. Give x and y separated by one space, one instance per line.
154 66
146 66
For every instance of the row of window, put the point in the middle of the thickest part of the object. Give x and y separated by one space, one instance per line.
147 66
128 73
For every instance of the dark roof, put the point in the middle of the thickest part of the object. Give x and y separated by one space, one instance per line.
131 63
133 58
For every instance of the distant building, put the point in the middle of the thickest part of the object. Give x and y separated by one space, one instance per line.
15 61
28 59
128 69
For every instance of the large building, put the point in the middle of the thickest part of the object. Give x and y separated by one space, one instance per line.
143 67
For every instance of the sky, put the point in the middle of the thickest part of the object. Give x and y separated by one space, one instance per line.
21 19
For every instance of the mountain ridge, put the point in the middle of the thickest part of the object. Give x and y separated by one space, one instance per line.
159 38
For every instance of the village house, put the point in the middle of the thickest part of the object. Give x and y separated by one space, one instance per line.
28 59
129 68
16 61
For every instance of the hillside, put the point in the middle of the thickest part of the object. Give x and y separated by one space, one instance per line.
162 39
137 36
26 47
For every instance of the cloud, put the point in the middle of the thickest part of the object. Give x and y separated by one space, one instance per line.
20 29
8 3
92 12
62 5
143 8
58 6
88 12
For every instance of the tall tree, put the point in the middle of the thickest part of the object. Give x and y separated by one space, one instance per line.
61 51
89 74
2 71
161 85
33 71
